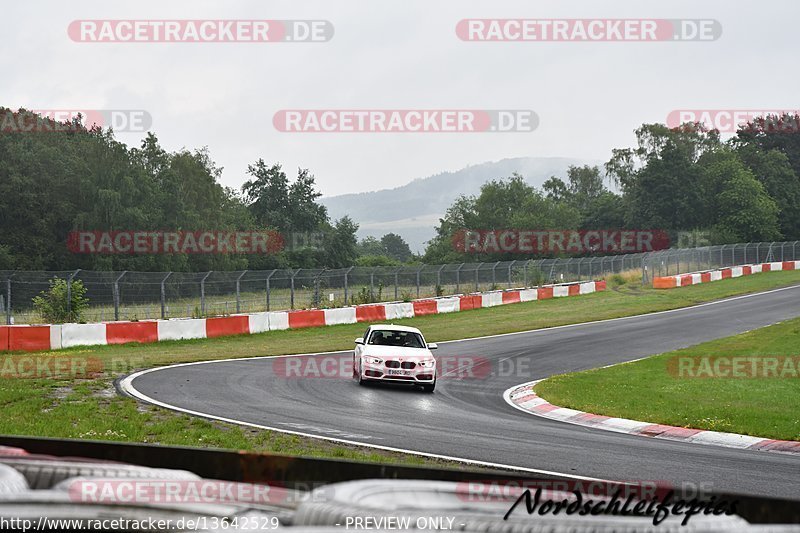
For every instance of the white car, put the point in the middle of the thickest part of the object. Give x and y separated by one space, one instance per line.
394 353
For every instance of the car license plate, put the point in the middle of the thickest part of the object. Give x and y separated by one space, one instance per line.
396 372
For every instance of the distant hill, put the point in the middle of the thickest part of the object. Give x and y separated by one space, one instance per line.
413 210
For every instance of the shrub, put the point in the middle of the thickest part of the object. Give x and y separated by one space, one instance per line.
536 277
365 297
617 280
376 261
626 277
54 306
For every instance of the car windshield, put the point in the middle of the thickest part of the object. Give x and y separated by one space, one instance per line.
407 339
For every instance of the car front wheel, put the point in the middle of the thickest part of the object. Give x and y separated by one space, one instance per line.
360 377
429 388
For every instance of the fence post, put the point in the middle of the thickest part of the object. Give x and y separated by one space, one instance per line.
116 296
203 293
69 291
238 286
268 289
477 269
439 280
494 274
8 300
316 289
551 276
509 274
418 272
644 268
291 287
372 283
397 281
347 273
164 296
458 278
525 273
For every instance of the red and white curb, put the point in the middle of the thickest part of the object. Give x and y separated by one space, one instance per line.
523 397
707 276
59 336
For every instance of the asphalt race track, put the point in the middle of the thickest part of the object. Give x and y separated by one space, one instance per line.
468 417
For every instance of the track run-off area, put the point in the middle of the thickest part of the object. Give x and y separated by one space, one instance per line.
467 418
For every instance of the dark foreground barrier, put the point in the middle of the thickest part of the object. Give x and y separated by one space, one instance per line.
303 473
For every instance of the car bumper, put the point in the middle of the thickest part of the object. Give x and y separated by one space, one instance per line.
379 373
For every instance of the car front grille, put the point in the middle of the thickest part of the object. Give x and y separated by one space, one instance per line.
407 365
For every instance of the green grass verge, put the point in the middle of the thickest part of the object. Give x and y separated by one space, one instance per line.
89 408
655 390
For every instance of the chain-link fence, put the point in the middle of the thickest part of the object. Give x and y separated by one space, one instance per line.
680 261
148 295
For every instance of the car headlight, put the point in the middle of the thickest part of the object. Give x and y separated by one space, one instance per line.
374 360
427 364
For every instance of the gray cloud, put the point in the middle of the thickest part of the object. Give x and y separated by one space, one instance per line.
397 54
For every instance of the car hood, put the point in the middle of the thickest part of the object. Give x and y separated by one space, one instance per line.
397 352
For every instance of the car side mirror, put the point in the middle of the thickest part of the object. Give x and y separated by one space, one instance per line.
360 340
432 346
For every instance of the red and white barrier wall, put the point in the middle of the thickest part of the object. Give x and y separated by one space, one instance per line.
694 278
55 337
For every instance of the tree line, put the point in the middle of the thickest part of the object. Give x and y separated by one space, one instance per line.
72 178
682 179
64 177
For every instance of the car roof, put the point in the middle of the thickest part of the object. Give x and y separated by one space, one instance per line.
393 327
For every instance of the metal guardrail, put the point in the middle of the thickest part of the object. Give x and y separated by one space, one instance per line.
130 295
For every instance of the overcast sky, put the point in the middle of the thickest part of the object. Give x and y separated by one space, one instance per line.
389 54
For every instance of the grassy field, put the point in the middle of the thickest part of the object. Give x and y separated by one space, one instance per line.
763 404
88 407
